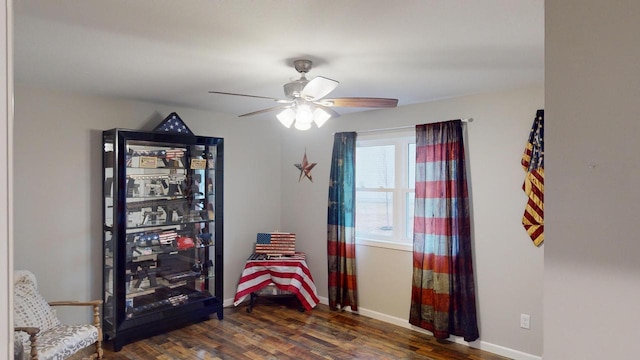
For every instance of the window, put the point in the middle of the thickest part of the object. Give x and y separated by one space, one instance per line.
385 189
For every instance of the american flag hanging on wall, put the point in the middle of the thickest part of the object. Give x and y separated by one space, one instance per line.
533 165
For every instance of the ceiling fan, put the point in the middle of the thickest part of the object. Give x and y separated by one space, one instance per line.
305 101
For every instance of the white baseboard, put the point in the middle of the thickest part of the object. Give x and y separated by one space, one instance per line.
227 302
482 345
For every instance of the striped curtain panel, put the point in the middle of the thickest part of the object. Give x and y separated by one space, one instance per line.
443 291
341 232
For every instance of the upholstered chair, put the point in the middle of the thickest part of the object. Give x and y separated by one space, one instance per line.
40 332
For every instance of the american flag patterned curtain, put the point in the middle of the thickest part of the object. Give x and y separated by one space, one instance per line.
443 289
533 164
341 232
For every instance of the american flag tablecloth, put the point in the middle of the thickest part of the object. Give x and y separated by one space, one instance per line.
287 273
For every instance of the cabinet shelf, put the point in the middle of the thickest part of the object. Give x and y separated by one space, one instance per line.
163 197
158 168
161 231
169 224
165 251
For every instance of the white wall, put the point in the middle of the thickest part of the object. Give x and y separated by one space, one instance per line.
508 266
58 198
57 156
592 271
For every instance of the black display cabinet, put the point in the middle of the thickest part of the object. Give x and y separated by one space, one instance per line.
163 223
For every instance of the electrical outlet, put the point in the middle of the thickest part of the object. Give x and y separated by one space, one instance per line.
525 321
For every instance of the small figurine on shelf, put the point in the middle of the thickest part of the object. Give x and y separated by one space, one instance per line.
211 162
197 267
205 239
207 268
209 186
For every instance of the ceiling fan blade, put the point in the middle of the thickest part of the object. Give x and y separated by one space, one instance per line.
329 110
360 102
318 87
253 96
265 110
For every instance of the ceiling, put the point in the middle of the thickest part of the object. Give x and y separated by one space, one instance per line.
174 52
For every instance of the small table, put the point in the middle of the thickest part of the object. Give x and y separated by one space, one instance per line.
287 273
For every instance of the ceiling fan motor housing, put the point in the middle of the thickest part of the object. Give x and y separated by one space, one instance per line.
293 89
302 66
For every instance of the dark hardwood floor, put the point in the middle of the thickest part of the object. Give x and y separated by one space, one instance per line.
277 330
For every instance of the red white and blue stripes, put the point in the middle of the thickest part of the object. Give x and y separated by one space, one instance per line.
290 275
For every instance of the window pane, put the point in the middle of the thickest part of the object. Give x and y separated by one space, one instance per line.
411 165
374 213
409 205
375 166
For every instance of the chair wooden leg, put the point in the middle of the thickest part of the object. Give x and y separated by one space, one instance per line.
34 350
99 349
96 323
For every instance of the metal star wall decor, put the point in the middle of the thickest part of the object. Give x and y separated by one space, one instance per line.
305 168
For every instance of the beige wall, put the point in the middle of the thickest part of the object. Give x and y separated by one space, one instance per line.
509 268
58 226
58 183
592 271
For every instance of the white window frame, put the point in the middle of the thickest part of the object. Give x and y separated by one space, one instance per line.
401 140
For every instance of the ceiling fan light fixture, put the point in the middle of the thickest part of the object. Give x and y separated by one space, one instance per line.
304 114
302 126
286 117
320 117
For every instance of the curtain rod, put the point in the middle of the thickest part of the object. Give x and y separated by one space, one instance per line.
467 120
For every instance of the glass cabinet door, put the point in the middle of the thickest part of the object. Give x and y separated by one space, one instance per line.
109 244
169 225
